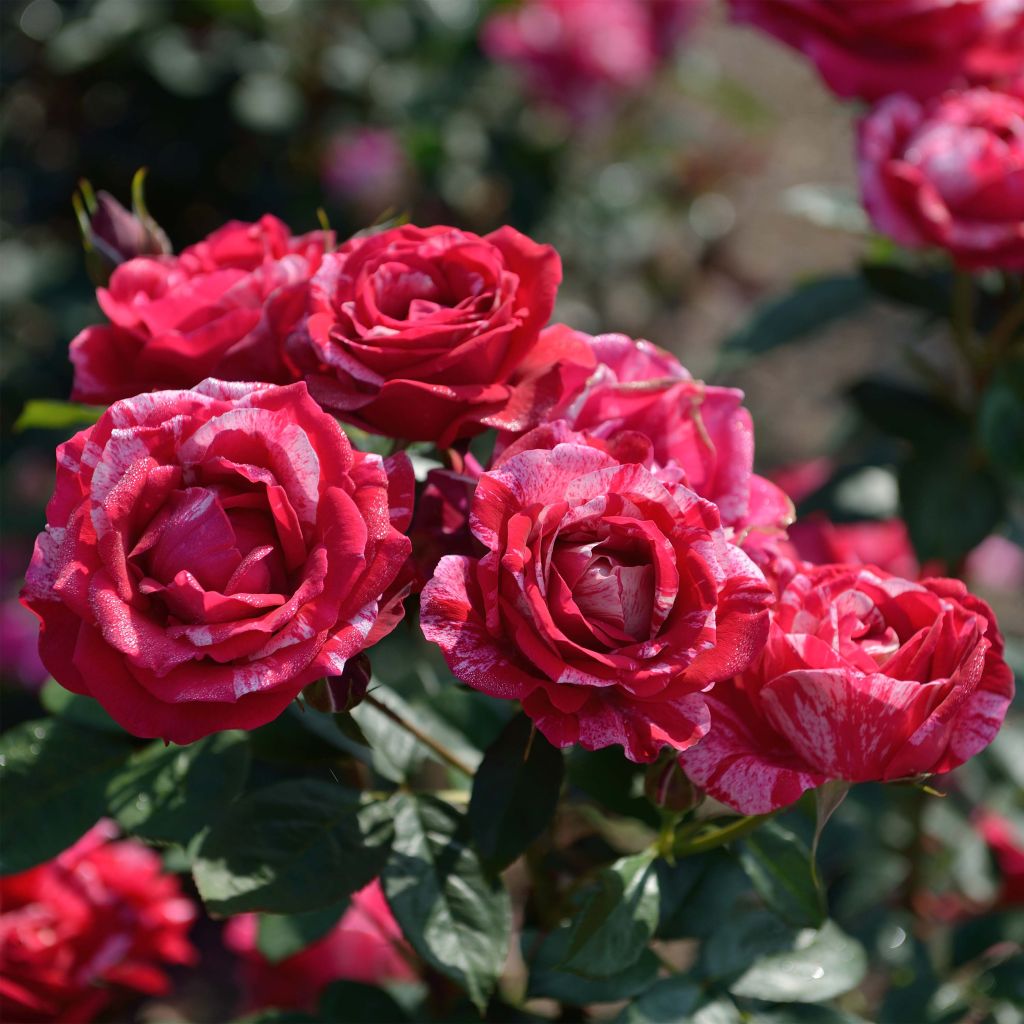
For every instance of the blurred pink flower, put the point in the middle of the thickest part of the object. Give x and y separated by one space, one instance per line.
579 54
366 166
365 945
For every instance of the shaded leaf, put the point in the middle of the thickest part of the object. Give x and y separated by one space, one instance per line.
927 290
280 936
547 980
77 708
451 910
906 413
514 795
54 777
1001 419
779 864
950 502
617 920
669 1001
292 847
353 1001
804 311
171 793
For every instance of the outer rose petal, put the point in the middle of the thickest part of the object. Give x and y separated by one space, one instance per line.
734 766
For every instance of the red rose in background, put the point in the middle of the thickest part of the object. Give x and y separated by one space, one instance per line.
607 600
222 308
700 431
871 48
433 334
1007 845
84 930
365 945
864 677
209 552
949 173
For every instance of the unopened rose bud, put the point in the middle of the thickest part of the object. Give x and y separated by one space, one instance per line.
112 235
667 786
337 694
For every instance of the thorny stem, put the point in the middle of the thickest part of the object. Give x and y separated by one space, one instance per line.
428 741
726 834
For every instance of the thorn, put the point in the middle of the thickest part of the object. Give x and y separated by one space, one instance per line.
529 742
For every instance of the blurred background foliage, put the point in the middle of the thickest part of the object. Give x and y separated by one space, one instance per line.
679 209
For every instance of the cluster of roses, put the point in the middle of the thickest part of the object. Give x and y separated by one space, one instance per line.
103 922
617 568
941 153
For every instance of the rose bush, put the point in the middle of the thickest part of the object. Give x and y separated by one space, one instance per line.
365 946
870 48
221 308
607 601
864 677
949 173
433 334
79 933
209 552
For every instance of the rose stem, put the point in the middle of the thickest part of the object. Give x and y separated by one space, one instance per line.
442 752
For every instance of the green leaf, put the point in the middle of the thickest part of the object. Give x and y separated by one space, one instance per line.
1001 419
292 847
906 413
669 1001
819 965
779 864
278 1017
77 708
169 794
48 414
280 936
547 981
949 501
617 920
804 311
804 1013
451 910
742 938
395 753
927 290
514 795
696 892
353 1001
53 776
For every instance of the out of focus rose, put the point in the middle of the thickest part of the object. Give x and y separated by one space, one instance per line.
580 54
865 676
365 945
608 599
366 167
872 48
700 433
949 173
209 552
80 933
1007 845
222 308
434 334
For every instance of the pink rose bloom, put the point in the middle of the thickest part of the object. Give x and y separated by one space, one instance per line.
872 48
865 677
365 945
434 334
576 54
83 931
607 601
209 552
222 308
885 544
949 173
701 432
